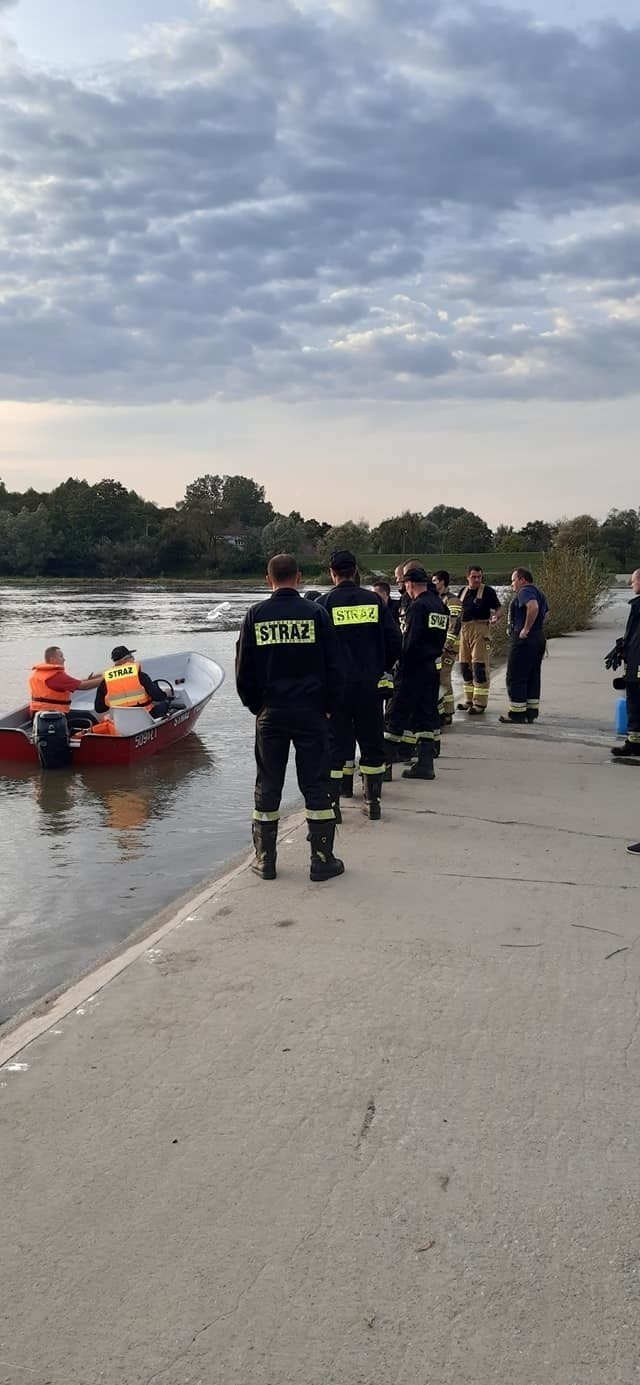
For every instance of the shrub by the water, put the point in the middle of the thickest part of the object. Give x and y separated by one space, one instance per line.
575 587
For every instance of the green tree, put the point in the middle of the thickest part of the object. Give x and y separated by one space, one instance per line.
205 513
354 536
441 516
581 532
469 534
536 536
25 542
399 534
245 503
284 534
619 538
505 539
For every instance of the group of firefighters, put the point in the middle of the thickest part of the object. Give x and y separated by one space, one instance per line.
356 666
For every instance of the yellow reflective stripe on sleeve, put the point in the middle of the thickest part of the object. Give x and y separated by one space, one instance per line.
265 817
355 615
320 815
349 766
285 632
372 769
389 736
336 774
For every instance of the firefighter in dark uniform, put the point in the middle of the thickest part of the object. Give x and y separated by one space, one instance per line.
369 643
451 649
288 674
404 600
412 714
527 614
481 610
627 651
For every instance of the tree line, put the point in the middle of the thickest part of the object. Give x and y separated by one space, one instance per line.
225 526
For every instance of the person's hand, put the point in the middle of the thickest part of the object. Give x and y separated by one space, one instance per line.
524 634
493 619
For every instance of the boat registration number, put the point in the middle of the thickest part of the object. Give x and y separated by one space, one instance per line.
145 737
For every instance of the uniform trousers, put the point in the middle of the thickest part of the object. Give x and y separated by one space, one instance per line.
475 661
277 729
633 709
360 718
524 666
412 713
446 685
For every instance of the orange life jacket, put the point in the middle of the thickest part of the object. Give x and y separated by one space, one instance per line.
124 688
44 698
104 728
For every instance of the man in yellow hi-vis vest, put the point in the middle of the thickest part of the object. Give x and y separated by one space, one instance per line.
126 684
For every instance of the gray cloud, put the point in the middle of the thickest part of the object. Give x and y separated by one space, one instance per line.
296 200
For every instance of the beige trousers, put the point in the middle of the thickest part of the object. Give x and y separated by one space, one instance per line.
475 661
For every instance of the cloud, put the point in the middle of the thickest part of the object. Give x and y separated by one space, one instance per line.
312 200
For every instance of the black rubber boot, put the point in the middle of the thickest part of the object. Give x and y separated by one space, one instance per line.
372 789
324 865
436 748
476 711
335 791
465 706
531 717
387 777
347 785
635 848
264 840
407 751
424 767
514 719
624 752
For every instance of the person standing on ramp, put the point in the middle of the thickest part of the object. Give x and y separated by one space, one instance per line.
288 675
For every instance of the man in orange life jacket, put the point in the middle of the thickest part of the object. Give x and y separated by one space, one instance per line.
51 687
127 685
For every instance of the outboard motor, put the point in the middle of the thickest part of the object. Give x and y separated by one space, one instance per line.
51 739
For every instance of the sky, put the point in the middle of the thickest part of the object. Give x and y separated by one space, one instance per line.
377 254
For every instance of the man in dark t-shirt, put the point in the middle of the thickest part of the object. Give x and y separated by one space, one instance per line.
480 610
527 615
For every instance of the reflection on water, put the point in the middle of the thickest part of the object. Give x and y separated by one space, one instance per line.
87 857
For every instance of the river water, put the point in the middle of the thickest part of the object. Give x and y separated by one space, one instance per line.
86 857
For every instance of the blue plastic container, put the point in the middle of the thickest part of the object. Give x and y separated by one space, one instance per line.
621 716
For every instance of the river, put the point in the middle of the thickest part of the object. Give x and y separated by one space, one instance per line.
87 857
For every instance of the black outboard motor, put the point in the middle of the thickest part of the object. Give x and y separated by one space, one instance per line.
51 739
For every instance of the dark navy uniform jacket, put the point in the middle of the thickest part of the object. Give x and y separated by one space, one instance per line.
287 653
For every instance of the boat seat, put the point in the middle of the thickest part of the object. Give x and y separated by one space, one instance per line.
128 721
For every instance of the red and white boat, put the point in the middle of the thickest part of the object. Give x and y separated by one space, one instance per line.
190 678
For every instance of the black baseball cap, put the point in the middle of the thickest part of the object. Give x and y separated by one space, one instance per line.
342 561
121 652
415 573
